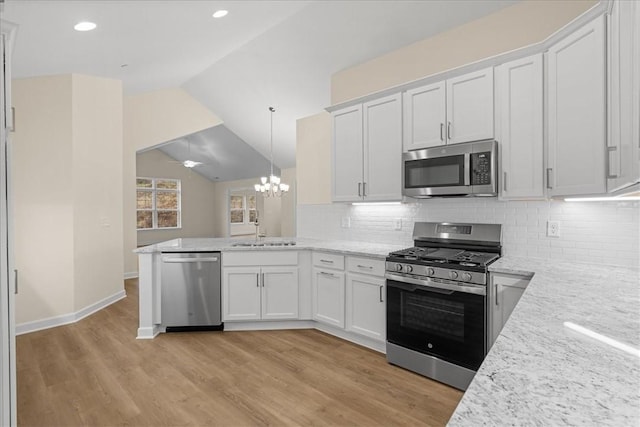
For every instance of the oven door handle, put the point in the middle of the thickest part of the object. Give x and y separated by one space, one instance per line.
433 286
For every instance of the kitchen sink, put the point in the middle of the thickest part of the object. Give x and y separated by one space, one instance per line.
259 244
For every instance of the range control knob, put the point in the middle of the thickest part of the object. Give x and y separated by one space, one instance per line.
430 271
453 274
409 269
398 267
466 277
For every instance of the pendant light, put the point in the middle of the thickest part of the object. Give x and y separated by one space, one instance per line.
271 187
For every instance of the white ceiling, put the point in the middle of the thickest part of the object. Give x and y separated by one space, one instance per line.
264 53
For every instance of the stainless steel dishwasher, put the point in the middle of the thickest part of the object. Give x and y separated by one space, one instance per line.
190 295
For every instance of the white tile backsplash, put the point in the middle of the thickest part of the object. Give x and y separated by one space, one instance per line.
599 232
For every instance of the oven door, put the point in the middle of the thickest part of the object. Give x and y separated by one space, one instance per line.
426 174
442 319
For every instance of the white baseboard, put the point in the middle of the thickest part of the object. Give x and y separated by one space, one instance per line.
65 319
131 275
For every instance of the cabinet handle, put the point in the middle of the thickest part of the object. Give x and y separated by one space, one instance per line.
549 186
610 150
441 131
262 279
448 130
381 300
257 280
496 291
364 189
324 273
15 282
365 266
328 261
359 189
504 183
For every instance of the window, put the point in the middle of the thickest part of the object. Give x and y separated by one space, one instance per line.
158 203
242 208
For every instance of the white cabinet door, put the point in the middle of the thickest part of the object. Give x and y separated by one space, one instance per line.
623 167
424 116
520 129
576 112
347 154
328 297
241 293
279 292
470 107
365 308
383 149
505 293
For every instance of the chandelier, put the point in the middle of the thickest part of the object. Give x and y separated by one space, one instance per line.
271 187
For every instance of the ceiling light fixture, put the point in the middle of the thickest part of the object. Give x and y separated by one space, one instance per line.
190 163
271 187
85 26
220 13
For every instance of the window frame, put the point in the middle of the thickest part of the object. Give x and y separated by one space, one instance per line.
246 210
154 190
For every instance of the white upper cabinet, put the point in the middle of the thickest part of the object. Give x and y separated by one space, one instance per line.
425 116
470 107
367 151
347 154
383 149
448 112
576 112
519 127
623 167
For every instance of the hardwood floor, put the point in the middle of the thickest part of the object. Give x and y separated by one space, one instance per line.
96 373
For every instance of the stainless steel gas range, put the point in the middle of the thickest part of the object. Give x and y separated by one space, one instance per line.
437 300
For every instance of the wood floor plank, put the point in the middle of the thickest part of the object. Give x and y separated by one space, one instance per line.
95 373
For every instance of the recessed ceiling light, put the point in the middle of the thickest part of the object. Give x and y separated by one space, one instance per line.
220 13
84 26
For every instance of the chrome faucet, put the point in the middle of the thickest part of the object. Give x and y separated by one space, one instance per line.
257 224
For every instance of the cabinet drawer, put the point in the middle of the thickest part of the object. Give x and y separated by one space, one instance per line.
326 260
259 258
366 266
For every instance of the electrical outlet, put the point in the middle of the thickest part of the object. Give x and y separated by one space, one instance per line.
346 222
553 229
397 224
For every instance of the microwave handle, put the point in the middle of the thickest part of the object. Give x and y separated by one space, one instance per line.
467 168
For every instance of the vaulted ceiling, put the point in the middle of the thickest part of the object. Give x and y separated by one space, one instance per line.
263 53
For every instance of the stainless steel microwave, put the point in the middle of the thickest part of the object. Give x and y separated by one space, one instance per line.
467 169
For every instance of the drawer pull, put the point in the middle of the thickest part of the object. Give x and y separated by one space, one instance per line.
324 273
365 266
328 261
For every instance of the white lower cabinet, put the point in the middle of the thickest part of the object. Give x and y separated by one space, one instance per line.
506 290
328 296
254 293
365 306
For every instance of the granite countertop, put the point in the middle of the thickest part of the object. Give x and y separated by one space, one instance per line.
540 372
375 250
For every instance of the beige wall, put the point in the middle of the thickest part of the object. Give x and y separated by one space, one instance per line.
197 198
511 28
43 197
97 188
313 159
67 189
151 119
289 202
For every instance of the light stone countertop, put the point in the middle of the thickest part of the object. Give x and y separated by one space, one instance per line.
539 372
373 250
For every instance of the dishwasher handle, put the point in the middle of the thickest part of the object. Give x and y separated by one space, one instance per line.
188 260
